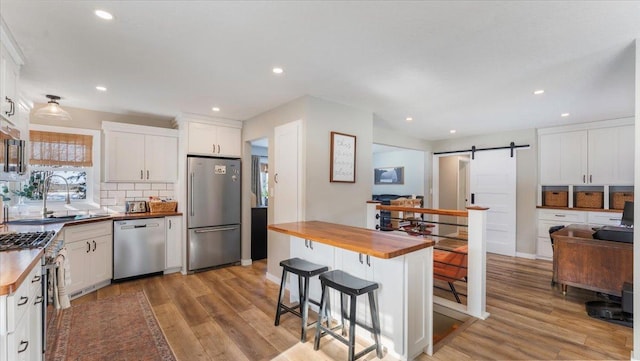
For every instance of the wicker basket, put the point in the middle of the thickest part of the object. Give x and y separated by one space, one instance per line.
589 200
163 207
556 198
619 198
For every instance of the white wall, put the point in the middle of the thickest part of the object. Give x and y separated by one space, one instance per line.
526 177
414 171
262 126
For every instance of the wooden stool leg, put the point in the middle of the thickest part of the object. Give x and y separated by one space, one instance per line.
282 286
375 322
321 314
304 309
352 328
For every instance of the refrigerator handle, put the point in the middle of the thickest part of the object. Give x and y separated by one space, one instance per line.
191 195
221 229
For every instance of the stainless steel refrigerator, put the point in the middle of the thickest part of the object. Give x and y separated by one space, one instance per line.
213 212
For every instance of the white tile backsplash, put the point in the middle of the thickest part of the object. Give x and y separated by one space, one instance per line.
115 194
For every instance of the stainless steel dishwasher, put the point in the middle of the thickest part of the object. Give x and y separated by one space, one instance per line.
138 247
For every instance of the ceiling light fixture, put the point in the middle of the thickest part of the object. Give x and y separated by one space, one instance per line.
52 111
409 119
565 115
538 92
452 131
104 15
215 109
101 88
278 70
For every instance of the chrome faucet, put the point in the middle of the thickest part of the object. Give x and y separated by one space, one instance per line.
45 190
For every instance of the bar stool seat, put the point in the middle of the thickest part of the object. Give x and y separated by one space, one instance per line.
304 270
353 287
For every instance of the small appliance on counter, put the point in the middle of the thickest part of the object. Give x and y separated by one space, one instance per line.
136 207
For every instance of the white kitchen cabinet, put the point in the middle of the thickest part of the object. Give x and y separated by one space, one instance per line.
21 320
548 218
563 158
611 155
9 78
90 252
387 273
173 252
604 218
136 153
600 156
314 252
211 139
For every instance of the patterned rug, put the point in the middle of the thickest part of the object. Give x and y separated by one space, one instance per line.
116 328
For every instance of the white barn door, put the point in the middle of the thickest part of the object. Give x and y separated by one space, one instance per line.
493 185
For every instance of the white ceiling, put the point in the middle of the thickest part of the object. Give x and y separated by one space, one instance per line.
470 66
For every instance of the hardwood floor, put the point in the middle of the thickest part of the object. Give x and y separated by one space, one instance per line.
227 314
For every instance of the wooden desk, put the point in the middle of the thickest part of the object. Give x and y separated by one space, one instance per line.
593 264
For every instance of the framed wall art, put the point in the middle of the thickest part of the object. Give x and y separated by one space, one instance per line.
343 158
388 175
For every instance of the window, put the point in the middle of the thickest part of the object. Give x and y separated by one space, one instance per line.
62 153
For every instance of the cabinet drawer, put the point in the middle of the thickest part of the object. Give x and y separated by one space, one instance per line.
543 227
604 218
18 303
562 215
544 250
86 231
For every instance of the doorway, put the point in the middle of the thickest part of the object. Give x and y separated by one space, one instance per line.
259 197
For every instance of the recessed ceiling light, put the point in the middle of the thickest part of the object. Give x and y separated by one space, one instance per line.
101 88
565 114
409 119
452 131
103 14
538 92
215 109
278 70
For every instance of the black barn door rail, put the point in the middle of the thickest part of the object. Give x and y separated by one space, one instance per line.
473 149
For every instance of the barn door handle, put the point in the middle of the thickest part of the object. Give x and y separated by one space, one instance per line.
473 198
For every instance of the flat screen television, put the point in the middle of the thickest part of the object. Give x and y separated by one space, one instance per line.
627 215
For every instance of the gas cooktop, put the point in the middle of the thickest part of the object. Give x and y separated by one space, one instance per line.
26 240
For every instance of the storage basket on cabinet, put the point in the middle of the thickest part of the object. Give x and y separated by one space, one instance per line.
619 198
589 200
163 207
556 198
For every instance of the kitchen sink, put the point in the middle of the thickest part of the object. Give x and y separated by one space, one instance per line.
58 219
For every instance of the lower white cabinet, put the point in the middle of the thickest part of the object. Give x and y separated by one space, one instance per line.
21 320
548 218
404 296
90 252
173 251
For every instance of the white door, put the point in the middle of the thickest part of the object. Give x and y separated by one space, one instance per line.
493 185
287 197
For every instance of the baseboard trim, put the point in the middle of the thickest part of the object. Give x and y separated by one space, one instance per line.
246 262
526 255
273 278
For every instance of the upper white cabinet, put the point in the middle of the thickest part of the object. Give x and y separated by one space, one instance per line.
10 62
598 156
214 139
136 153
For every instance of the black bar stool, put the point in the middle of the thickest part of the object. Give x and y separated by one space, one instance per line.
304 270
352 287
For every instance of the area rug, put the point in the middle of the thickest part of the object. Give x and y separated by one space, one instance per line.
122 327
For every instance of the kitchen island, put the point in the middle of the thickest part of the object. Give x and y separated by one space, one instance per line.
401 265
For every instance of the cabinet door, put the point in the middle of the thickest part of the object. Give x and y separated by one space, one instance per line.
9 73
355 264
563 158
161 158
78 267
313 252
611 155
35 326
203 138
173 253
230 141
125 156
100 259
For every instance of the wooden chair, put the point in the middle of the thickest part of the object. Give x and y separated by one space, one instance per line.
396 217
450 266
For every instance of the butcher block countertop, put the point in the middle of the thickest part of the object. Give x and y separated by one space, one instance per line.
16 265
362 240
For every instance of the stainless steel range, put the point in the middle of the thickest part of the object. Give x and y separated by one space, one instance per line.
26 240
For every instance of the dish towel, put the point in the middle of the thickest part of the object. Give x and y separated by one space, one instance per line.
63 279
